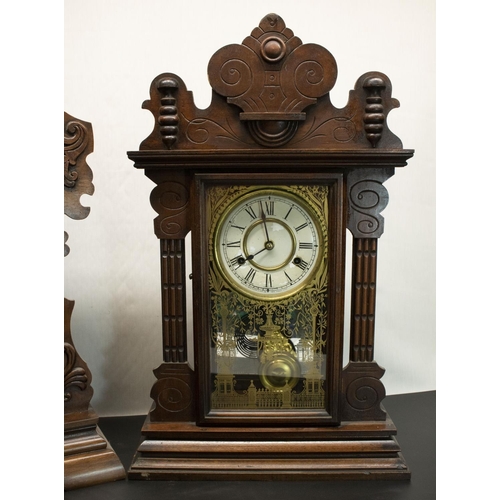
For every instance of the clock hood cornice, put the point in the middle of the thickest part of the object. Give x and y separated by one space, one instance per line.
270 99
288 159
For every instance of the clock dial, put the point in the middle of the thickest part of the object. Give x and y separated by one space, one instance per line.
268 244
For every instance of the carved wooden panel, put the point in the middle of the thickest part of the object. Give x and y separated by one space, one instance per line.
77 377
362 392
78 144
272 77
367 197
173 395
88 457
170 200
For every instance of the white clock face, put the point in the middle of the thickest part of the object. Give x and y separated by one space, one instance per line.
268 244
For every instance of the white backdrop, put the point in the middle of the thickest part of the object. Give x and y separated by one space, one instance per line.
114 49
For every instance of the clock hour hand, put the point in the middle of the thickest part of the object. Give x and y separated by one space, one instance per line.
242 259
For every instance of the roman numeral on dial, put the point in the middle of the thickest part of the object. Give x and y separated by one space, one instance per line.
269 281
302 226
235 260
305 246
270 207
249 210
302 264
250 275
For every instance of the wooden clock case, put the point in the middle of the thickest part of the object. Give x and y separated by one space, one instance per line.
270 122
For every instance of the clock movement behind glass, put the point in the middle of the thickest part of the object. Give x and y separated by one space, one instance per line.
268 179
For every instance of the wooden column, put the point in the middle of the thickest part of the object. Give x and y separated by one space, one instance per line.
173 272
364 272
172 394
362 389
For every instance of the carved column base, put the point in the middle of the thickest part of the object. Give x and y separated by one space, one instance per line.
362 392
89 459
172 394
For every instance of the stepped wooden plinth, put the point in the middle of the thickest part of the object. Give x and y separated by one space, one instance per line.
184 451
89 459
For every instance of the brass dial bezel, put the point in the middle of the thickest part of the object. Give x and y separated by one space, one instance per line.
310 272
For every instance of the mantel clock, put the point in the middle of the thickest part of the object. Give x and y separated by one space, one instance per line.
267 180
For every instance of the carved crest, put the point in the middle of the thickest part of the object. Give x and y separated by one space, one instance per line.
272 77
271 91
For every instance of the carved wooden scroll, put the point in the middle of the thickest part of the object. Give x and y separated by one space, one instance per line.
88 457
77 377
78 143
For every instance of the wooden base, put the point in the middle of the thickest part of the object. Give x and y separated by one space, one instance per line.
89 459
184 451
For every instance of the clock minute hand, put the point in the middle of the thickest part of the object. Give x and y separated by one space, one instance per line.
263 217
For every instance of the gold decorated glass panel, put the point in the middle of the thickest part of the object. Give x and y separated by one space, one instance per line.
268 283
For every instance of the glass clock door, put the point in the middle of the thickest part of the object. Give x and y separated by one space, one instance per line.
271 314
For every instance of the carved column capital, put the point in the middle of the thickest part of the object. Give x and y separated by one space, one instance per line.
170 200
367 197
